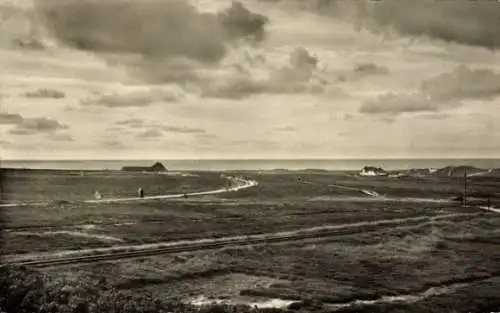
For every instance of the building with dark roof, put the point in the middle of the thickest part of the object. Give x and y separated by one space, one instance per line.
157 168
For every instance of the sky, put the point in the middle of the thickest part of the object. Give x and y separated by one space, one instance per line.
149 79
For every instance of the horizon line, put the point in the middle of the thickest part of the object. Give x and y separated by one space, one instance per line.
249 159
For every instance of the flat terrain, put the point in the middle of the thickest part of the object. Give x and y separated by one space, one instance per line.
417 264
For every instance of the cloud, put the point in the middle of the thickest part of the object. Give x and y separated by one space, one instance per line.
157 132
30 43
440 92
111 144
133 99
398 103
301 58
463 83
299 76
9 118
434 116
150 133
157 127
239 22
255 143
178 69
30 126
205 136
131 122
155 29
183 130
370 69
348 117
45 93
473 23
467 22
284 128
61 137
236 88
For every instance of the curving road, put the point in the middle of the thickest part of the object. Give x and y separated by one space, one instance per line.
239 184
132 251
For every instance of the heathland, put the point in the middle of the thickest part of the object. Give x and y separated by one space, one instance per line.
373 244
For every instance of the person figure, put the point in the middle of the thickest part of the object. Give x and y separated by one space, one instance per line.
140 192
97 195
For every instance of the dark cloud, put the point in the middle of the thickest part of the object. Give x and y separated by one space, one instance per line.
8 118
155 29
239 22
398 103
132 99
299 76
301 58
30 126
30 44
466 22
45 93
370 69
463 83
463 21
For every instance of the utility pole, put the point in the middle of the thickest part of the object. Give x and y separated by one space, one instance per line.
465 187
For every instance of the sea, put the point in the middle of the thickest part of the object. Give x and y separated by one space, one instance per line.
251 164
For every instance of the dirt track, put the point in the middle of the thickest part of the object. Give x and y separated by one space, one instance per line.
240 184
134 251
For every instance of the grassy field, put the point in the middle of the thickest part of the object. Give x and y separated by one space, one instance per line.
68 186
450 264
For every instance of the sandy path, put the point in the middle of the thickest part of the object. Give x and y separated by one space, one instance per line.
240 184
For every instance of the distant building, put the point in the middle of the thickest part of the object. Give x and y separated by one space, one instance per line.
157 168
372 171
97 195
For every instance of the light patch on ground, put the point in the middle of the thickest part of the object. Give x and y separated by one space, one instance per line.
125 224
69 233
271 303
224 286
411 246
87 226
409 298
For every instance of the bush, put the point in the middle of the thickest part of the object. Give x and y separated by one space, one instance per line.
27 291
